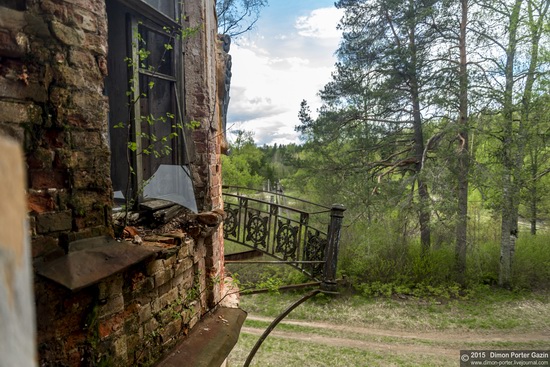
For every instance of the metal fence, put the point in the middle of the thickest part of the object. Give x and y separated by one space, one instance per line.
297 232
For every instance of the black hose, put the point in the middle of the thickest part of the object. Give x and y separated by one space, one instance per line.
276 322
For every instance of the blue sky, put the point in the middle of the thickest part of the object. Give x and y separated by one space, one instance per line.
288 57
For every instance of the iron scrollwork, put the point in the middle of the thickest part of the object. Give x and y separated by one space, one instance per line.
231 223
281 231
257 229
287 240
315 251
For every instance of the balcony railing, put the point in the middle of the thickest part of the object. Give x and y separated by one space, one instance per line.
302 234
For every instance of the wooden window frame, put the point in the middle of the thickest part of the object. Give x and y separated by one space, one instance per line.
141 14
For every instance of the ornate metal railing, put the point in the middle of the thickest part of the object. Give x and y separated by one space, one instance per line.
286 228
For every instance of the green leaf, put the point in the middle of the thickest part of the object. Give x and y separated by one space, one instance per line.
194 124
132 145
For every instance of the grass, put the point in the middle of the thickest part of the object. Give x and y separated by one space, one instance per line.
423 317
410 329
286 352
495 310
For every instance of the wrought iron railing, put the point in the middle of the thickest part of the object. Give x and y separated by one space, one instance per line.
287 228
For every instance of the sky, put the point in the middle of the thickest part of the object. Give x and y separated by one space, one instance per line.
286 58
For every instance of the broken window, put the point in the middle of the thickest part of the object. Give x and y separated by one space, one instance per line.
145 89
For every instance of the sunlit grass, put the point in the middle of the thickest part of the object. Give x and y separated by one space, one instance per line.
409 329
287 352
501 310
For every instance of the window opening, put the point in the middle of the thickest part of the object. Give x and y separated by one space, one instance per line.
147 135
166 7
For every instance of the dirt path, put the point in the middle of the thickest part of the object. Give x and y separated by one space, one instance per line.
425 343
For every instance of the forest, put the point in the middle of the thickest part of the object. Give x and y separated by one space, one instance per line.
433 133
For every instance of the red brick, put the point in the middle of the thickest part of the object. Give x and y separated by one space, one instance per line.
111 325
75 358
68 35
96 44
56 138
10 47
44 245
48 179
74 340
40 202
14 112
17 132
84 139
96 7
58 10
40 158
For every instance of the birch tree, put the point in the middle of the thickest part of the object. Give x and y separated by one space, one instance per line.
513 31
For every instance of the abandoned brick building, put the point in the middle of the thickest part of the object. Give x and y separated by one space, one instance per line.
102 95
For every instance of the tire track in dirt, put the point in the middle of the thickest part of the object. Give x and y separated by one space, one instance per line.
359 344
427 343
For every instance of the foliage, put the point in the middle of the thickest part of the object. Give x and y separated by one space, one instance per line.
240 167
248 165
378 262
395 138
379 249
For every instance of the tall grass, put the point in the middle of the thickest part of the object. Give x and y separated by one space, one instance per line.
384 257
531 267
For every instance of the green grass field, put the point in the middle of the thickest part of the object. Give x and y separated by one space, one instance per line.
347 330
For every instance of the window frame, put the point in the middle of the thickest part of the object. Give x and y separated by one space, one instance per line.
140 14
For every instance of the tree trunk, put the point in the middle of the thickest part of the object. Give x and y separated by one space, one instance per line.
535 28
510 187
533 210
463 161
423 194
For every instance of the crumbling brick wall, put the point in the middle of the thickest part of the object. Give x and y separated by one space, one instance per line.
53 61
128 319
203 104
51 100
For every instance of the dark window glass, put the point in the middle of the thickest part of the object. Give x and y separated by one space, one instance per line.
142 87
156 51
167 7
158 120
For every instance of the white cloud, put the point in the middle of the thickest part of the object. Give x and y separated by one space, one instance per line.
272 76
320 23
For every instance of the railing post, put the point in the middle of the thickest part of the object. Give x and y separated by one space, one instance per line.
331 250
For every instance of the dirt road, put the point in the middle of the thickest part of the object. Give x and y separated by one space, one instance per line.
447 343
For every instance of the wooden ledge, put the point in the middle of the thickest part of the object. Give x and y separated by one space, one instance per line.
92 260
